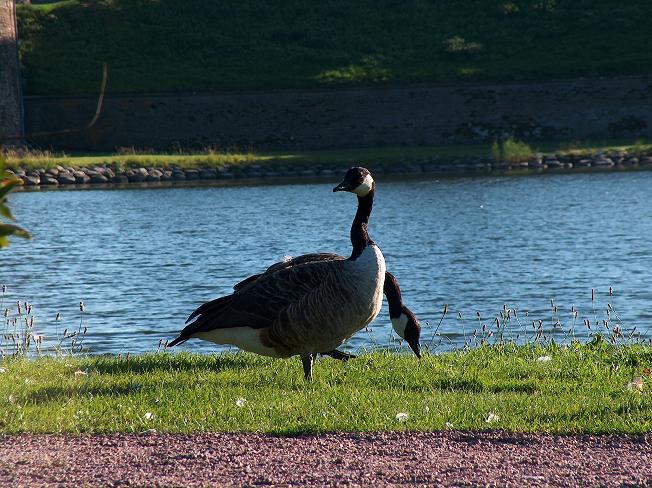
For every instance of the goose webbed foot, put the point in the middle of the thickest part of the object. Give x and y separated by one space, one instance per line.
306 361
342 356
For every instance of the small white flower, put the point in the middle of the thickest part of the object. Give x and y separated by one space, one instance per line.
79 372
426 408
448 425
636 384
401 417
3 370
11 399
544 359
27 381
491 418
149 415
240 402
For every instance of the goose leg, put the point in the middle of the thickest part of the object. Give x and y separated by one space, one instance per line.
307 366
342 356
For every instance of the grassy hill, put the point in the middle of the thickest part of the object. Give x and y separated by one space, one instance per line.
195 45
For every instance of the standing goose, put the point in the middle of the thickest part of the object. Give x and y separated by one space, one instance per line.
306 309
404 322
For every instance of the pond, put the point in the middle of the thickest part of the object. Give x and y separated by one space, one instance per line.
143 259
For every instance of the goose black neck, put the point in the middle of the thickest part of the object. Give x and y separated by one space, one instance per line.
359 234
393 293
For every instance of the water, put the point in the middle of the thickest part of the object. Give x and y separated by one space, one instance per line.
143 259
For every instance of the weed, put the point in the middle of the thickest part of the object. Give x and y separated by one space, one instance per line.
511 151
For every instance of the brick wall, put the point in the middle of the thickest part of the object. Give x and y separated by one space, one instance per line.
10 97
355 117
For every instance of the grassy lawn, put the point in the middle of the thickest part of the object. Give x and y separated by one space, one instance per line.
578 389
166 45
338 157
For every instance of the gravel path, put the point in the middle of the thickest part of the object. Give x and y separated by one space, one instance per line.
442 458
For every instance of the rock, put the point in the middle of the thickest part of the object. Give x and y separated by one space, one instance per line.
583 163
535 163
81 177
602 161
120 178
102 170
552 163
646 161
208 174
227 176
135 176
52 172
153 176
49 180
66 178
631 161
98 178
166 175
192 174
31 180
178 175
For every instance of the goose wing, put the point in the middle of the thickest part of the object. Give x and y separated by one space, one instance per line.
289 263
260 304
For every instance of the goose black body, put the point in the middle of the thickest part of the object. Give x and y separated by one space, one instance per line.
305 309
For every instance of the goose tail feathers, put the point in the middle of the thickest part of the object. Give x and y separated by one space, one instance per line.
206 314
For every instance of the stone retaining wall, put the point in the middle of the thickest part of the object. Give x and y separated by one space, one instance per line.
352 117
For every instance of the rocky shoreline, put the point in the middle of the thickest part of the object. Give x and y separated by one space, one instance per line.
113 174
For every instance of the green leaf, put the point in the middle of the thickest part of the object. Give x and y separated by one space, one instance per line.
13 230
5 212
6 186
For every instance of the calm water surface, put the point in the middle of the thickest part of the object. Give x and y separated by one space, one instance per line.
143 259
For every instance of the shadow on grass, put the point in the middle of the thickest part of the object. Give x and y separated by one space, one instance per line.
57 393
165 362
468 385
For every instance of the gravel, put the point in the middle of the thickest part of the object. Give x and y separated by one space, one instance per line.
448 458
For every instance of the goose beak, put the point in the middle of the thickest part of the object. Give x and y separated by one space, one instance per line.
344 186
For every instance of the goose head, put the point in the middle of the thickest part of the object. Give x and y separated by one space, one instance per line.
407 327
357 180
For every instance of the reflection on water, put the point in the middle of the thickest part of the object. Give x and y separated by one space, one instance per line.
143 259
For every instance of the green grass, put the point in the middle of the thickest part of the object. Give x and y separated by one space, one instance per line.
337 157
166 45
581 389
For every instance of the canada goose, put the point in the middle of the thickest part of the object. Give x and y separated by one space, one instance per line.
404 322
307 309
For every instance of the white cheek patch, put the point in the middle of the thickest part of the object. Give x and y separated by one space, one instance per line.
399 325
365 187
